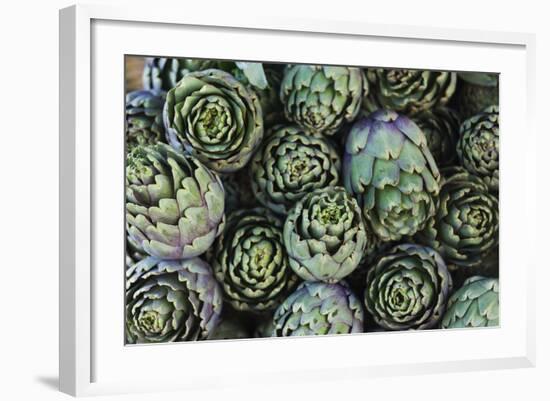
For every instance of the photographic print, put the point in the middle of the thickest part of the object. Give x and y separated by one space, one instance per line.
274 200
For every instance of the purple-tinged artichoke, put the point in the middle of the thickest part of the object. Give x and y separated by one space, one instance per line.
251 263
324 235
320 99
408 288
170 300
389 168
317 309
290 164
174 204
215 118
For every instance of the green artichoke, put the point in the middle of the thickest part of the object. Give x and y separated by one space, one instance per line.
408 91
290 164
475 304
389 168
174 204
319 308
324 235
478 146
215 118
144 124
465 228
408 288
441 127
170 300
164 73
251 263
228 329
476 91
321 99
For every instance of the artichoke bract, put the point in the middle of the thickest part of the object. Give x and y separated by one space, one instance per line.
174 204
214 117
317 309
321 99
408 288
476 91
144 124
466 226
388 167
324 235
408 91
475 304
161 73
169 300
251 263
441 127
290 164
478 147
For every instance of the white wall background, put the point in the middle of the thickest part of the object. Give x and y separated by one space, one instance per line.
29 200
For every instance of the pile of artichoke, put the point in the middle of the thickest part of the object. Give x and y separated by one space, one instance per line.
268 200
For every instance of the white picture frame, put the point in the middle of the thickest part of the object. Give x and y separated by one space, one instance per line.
93 358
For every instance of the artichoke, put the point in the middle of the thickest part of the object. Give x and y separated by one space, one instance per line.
324 235
319 308
475 304
251 263
322 98
144 124
169 300
215 118
441 127
164 73
174 204
408 91
290 164
476 91
478 146
389 168
465 228
408 288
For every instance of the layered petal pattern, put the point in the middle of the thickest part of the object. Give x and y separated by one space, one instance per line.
214 117
290 164
144 124
388 167
466 226
321 99
475 304
169 300
325 236
251 263
408 91
174 204
478 147
317 309
408 288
